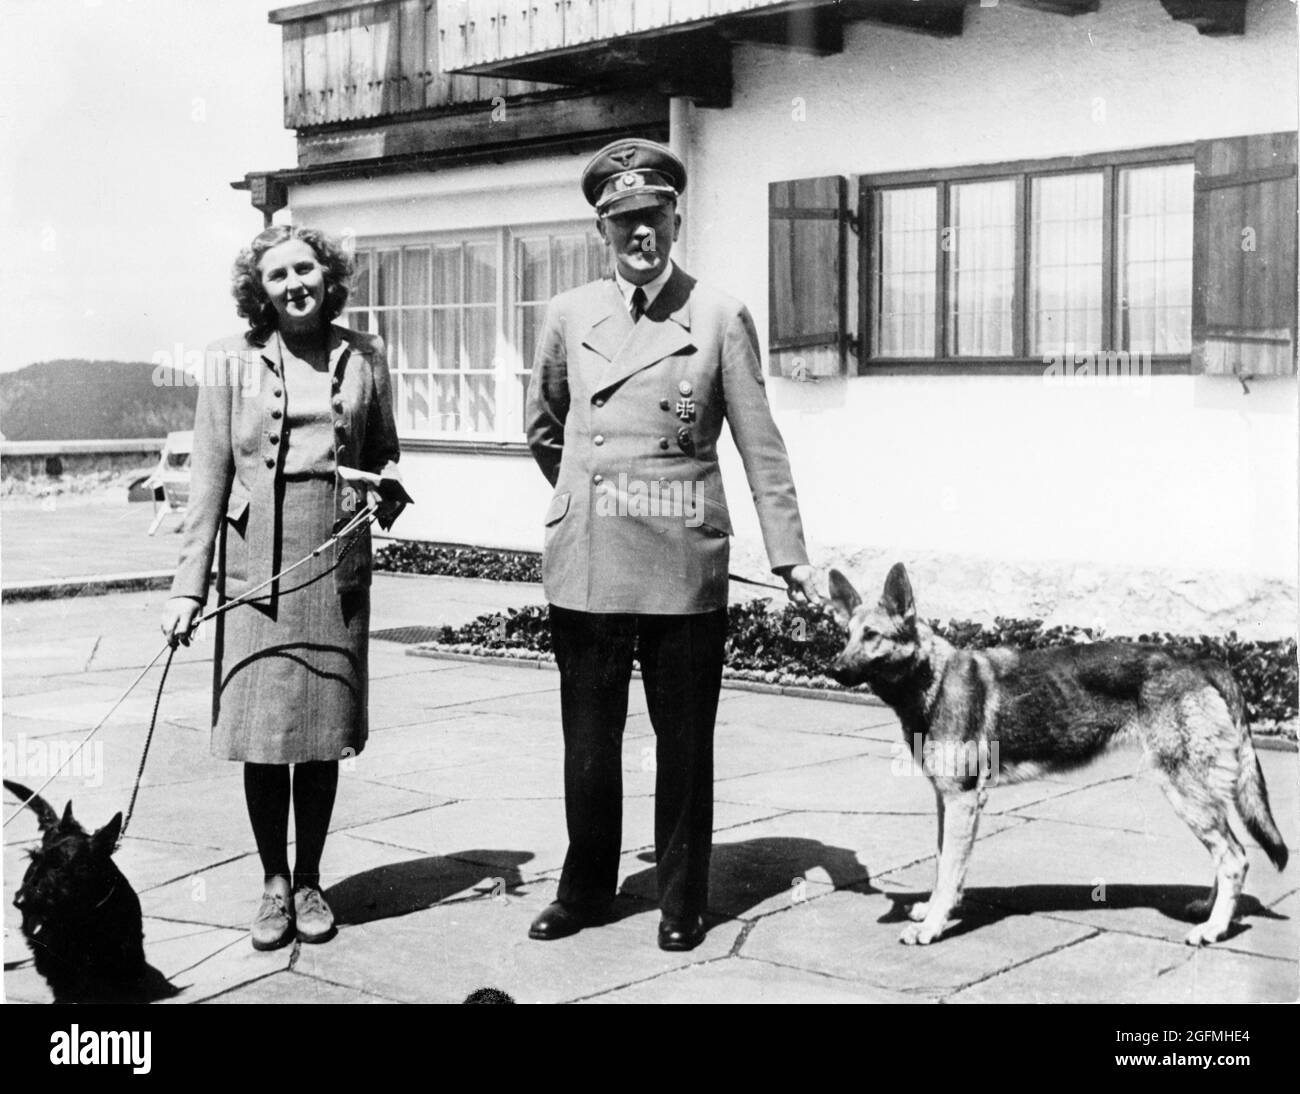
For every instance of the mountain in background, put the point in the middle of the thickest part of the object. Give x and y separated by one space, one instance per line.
91 401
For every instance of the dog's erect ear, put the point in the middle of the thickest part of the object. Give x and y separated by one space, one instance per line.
68 820
897 597
104 842
844 598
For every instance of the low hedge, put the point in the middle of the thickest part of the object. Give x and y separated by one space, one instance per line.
790 645
486 563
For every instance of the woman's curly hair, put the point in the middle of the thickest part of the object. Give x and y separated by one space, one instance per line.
251 301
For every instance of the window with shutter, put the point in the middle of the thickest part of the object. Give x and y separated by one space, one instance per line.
807 278
1244 256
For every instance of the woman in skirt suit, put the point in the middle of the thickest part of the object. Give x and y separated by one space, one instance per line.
280 409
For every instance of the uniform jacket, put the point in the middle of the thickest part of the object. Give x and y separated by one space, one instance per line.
623 420
237 455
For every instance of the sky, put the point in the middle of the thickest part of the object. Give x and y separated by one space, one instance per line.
122 125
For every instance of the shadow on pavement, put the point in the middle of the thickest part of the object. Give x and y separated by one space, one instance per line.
743 875
981 907
405 887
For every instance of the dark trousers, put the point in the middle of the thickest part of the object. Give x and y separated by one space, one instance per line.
681 667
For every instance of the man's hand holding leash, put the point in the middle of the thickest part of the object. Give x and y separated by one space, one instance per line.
799 584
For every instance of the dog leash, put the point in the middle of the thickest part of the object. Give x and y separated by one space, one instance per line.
148 739
779 588
760 584
365 516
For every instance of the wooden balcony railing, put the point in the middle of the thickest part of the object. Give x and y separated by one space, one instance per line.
348 61
482 32
486 36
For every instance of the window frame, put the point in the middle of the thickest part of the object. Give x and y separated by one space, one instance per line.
1022 172
503 237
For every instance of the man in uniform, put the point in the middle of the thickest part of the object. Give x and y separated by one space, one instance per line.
632 381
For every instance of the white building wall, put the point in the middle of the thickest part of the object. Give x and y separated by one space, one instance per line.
1170 505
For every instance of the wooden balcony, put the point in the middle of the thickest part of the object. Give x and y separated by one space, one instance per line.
677 47
489 31
682 47
367 96
351 60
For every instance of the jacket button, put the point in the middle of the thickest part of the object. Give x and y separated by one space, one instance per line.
277 392
270 461
277 412
338 406
275 438
597 479
663 442
664 404
597 439
340 424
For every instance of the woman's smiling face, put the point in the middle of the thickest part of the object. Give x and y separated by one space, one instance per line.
294 281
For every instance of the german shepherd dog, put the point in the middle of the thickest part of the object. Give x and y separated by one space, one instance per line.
1051 710
80 915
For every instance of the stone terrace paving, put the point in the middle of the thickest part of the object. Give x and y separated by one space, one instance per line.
449 836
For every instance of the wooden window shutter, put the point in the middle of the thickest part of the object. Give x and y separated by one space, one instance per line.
807 301
1244 257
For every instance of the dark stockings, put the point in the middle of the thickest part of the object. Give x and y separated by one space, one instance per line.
267 790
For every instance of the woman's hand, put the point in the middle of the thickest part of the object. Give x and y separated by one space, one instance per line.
178 618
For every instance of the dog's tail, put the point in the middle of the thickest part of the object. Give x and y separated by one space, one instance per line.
1252 793
1252 801
46 817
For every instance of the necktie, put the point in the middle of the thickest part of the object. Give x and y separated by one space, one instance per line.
638 303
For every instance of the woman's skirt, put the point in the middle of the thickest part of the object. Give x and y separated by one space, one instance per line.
291 664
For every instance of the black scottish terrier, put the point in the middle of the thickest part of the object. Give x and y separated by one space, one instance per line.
81 917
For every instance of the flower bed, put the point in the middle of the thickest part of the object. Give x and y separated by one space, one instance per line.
788 647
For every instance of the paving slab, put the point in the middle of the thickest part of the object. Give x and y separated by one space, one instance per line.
527 836
445 952
853 935
454 740
235 963
177 754
773 863
291 988
1122 968
754 710
744 980
507 777
1112 880
120 532
449 836
227 893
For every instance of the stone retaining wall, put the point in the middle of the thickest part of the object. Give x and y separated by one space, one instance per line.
42 468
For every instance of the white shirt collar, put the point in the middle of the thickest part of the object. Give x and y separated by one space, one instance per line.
652 288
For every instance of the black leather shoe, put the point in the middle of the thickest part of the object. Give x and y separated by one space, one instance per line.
680 934
561 920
